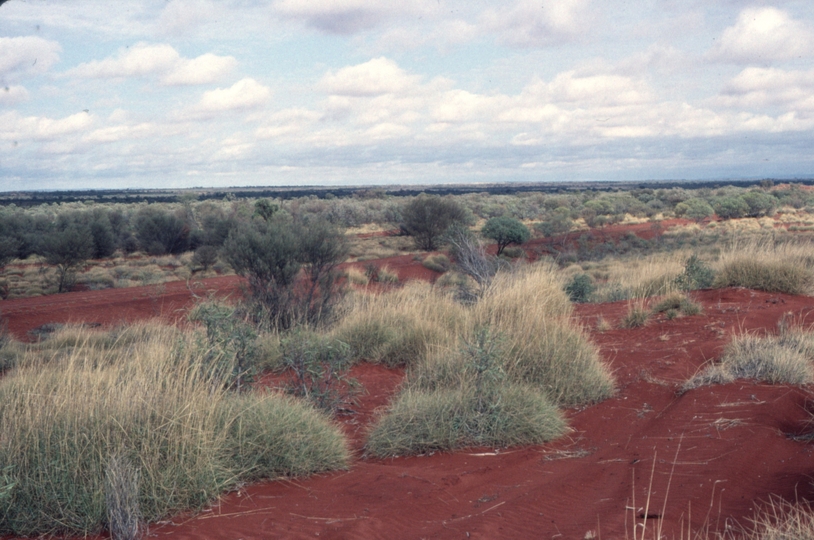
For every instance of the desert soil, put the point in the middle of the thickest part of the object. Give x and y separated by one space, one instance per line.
714 453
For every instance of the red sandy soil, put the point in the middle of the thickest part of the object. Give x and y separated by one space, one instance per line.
716 451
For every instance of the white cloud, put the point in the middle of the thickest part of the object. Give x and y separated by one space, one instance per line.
346 16
182 16
763 34
27 55
14 127
163 60
535 23
377 76
12 95
770 87
245 94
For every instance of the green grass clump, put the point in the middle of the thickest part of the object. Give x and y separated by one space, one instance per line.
783 359
423 421
65 413
270 435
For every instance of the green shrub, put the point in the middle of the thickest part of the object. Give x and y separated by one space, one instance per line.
505 230
319 365
427 217
580 288
696 275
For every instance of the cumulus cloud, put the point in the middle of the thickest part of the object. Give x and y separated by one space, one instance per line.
244 95
770 87
763 34
377 76
162 61
346 16
181 16
12 95
14 127
29 55
536 23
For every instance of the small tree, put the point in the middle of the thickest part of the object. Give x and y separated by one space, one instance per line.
68 249
160 232
505 231
427 217
271 254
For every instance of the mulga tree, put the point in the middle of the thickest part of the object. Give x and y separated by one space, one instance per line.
427 217
68 249
271 254
505 231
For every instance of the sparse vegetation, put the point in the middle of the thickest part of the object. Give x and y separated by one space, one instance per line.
787 358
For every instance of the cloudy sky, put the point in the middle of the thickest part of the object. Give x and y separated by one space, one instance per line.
183 93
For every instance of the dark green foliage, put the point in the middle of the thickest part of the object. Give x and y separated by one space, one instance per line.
231 348
205 256
68 249
695 209
696 275
427 217
731 207
760 203
320 367
505 231
160 232
580 288
265 209
271 254
557 222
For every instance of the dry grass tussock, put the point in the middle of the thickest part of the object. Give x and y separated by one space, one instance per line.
147 396
767 265
641 277
498 373
787 358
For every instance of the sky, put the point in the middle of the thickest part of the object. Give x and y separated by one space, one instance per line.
99 94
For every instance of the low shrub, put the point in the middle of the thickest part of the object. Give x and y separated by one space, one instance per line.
783 359
319 365
580 288
696 275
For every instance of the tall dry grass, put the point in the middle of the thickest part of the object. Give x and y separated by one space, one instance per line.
765 264
516 350
399 327
146 395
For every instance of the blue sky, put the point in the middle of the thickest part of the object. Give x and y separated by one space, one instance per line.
184 93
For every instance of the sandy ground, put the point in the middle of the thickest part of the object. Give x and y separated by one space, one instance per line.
713 453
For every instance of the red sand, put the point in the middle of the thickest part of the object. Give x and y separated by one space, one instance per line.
721 449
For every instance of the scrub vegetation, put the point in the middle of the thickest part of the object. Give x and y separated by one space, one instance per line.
110 430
